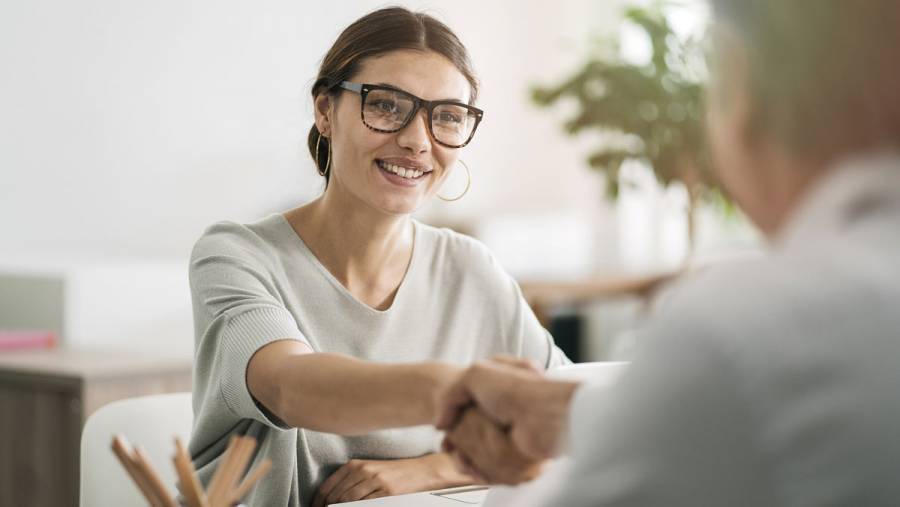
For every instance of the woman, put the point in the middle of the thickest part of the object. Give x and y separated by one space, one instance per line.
319 328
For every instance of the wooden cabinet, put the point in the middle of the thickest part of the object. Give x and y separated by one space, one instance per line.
45 398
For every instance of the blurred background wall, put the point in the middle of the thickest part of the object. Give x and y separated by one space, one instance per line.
128 127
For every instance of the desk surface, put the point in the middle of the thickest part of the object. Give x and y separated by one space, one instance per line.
466 496
596 287
90 364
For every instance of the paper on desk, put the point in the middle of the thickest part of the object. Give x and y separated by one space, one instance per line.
536 493
470 495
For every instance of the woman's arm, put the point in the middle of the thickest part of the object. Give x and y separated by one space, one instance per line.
340 394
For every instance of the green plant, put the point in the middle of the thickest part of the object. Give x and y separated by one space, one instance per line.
652 111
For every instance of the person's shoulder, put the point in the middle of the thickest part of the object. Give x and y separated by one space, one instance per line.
229 238
724 289
745 302
715 320
452 248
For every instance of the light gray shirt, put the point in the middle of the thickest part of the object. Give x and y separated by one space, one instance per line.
771 382
257 283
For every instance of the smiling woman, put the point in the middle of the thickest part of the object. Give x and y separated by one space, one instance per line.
320 328
426 137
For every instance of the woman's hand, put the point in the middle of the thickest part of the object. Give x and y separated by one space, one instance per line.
365 479
532 409
486 451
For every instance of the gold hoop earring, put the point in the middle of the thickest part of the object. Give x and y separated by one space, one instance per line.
322 172
468 184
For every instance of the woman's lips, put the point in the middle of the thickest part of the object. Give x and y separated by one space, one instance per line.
408 178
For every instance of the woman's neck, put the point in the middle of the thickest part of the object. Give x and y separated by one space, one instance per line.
368 252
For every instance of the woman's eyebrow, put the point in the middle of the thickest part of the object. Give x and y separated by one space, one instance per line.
394 87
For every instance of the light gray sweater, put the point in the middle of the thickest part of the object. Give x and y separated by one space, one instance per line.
258 283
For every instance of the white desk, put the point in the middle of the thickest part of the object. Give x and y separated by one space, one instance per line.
469 496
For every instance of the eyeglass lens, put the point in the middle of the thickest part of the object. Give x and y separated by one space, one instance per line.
390 110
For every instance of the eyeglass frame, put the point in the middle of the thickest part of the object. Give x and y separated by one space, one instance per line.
363 89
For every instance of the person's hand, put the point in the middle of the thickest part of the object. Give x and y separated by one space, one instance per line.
366 479
515 397
483 450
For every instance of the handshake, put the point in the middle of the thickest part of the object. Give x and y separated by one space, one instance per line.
503 419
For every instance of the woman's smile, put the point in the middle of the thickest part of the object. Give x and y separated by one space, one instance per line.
404 173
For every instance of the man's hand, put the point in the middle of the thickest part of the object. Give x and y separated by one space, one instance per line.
366 479
486 451
515 397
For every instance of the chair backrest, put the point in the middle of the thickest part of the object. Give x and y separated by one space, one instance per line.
151 422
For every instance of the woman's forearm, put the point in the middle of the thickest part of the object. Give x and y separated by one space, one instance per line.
344 395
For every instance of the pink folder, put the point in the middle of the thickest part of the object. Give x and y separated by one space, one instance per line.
20 340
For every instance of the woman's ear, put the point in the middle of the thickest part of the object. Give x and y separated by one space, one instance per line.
324 111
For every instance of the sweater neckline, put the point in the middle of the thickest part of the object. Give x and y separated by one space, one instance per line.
308 253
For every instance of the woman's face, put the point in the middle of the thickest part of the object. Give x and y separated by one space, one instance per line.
361 158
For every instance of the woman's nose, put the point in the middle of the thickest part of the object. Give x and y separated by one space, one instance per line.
414 136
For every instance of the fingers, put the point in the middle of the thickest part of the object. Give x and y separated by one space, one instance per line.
487 384
329 484
362 490
465 466
447 446
518 362
340 481
452 401
538 431
460 461
485 451
528 443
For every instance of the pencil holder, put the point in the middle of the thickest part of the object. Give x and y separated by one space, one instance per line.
224 490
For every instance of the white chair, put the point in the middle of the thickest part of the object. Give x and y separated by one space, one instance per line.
151 422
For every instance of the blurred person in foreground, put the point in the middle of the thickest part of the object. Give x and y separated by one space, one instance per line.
770 382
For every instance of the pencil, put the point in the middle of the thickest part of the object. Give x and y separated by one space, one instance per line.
239 469
156 482
191 489
235 468
120 448
214 483
257 474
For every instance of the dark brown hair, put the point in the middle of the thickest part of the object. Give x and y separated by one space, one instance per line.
823 73
377 33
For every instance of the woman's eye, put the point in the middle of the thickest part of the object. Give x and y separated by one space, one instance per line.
386 106
449 118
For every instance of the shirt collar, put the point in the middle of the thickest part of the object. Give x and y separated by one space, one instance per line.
854 188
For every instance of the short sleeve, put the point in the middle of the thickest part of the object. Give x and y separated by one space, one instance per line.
237 311
528 338
537 343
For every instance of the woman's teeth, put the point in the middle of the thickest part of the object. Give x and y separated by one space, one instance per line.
400 171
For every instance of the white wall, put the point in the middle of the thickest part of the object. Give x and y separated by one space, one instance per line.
127 126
